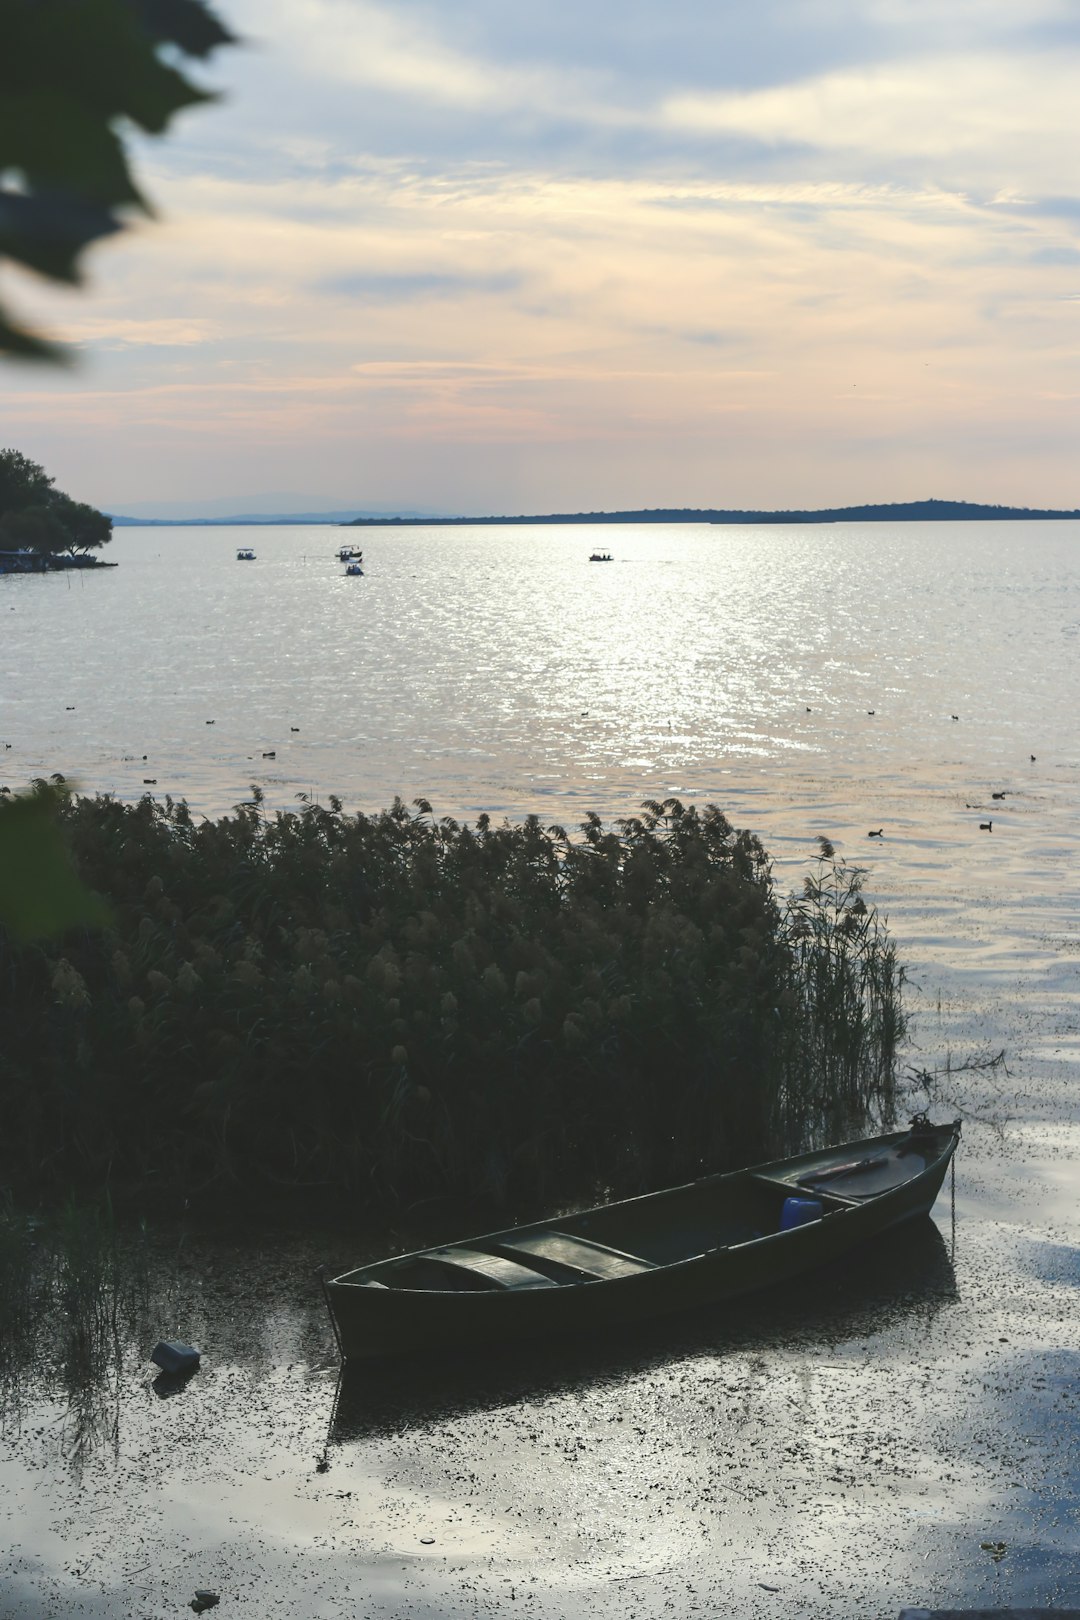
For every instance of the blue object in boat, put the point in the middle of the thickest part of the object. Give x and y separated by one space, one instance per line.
800 1211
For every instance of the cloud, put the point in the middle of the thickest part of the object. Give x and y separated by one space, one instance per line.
965 115
657 242
365 44
407 286
121 332
398 51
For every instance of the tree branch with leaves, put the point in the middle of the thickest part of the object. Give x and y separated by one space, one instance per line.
72 74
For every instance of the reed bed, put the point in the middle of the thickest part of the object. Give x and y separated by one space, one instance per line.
399 1008
73 1304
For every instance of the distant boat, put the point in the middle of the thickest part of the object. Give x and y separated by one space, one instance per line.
245 554
354 568
350 554
601 556
711 1240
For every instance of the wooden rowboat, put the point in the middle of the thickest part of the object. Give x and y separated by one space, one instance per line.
710 1240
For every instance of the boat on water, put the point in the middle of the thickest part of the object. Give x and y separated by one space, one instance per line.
601 556
245 554
354 568
708 1241
350 554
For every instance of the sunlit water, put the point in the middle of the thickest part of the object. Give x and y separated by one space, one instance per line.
847 1455
805 679
500 670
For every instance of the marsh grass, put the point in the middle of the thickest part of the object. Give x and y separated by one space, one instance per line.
401 1008
17 1290
74 1299
844 1006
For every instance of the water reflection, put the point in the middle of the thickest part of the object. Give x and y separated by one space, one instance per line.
907 1278
73 1297
81 1304
543 683
79 1316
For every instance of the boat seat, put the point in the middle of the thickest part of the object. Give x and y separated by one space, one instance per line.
578 1254
864 1178
493 1269
799 1189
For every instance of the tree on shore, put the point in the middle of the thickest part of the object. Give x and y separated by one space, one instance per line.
22 482
36 516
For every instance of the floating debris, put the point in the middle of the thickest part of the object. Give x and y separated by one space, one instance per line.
173 1357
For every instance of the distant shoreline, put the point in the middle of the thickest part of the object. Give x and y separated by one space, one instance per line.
932 511
899 512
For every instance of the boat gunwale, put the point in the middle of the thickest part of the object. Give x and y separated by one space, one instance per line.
357 1277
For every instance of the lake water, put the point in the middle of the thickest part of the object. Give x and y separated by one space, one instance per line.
804 678
844 1452
497 669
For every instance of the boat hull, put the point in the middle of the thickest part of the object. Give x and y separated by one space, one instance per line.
374 1321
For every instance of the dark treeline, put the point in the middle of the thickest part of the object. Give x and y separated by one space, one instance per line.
897 512
38 518
400 1009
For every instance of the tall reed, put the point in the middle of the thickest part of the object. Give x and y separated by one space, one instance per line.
73 1298
400 1007
844 1005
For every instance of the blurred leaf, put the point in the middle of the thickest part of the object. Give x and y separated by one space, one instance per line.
40 893
71 72
46 231
185 23
56 144
95 54
27 346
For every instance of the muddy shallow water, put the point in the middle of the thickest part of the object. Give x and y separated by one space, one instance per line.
842 1451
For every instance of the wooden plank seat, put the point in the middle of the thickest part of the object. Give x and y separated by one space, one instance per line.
798 1189
494 1270
578 1255
863 1178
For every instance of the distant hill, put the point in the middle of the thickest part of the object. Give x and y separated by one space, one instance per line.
895 512
264 519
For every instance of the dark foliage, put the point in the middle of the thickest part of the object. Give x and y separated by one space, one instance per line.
401 1008
72 72
38 517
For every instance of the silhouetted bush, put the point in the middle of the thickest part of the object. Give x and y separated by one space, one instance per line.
400 1008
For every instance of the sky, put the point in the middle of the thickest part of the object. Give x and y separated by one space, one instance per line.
492 257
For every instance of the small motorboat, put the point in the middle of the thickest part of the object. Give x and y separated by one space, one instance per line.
354 568
711 1240
245 554
601 556
350 554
